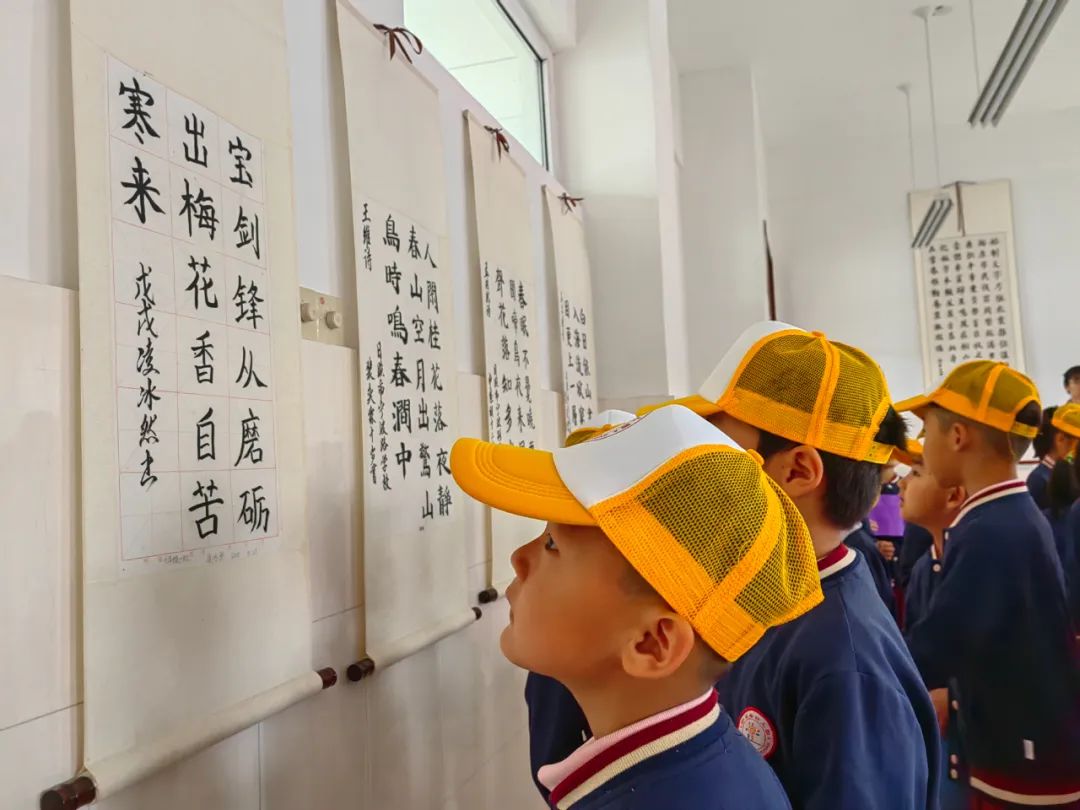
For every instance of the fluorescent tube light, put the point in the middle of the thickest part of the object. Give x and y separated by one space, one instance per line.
932 222
1028 35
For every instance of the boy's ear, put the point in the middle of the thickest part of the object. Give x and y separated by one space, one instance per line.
662 645
799 470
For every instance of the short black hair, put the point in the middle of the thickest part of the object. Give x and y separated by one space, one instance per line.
1063 488
851 487
1043 443
1006 445
1071 375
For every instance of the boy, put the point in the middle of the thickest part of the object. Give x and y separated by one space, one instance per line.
924 502
832 700
1051 445
997 625
1072 384
557 725
667 554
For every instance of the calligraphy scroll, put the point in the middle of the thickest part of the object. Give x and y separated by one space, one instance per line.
414 544
195 554
577 348
510 328
968 303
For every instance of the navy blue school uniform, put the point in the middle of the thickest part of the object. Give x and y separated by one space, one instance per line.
864 543
997 632
1038 481
914 545
835 704
1072 563
557 725
689 758
925 576
1059 526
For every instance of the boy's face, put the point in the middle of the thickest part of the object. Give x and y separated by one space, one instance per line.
1064 445
1072 388
924 502
940 455
570 613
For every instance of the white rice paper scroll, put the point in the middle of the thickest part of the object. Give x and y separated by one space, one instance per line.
414 544
508 293
195 557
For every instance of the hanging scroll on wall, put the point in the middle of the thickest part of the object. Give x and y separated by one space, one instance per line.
966 279
194 547
508 307
576 345
414 545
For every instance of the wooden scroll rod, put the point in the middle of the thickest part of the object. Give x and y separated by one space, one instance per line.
358 670
113 774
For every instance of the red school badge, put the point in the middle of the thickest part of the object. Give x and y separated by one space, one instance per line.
759 730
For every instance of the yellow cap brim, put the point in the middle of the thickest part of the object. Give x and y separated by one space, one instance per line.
916 405
518 480
1067 428
909 454
697 404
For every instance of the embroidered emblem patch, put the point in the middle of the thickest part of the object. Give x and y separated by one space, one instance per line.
759 730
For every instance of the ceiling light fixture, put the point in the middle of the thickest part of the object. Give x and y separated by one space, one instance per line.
1027 37
942 204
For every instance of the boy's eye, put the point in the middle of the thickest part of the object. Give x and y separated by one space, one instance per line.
549 544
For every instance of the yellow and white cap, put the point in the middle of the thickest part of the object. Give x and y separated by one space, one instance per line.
985 391
801 386
601 423
698 518
1067 419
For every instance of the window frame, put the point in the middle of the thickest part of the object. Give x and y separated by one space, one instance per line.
519 18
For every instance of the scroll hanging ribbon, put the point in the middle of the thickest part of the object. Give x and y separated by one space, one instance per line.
501 143
401 38
569 203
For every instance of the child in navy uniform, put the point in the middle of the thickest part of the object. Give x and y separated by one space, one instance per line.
862 541
832 699
545 697
923 501
1063 486
1049 447
997 629
667 554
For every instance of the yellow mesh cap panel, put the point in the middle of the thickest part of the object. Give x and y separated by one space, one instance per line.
808 389
720 542
990 393
1067 419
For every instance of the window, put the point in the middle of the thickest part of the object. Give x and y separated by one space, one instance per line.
482 47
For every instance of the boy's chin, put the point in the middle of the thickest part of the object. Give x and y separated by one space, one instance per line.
508 647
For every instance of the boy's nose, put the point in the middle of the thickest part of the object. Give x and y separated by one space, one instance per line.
519 559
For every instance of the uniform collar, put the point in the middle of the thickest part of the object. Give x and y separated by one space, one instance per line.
601 759
1004 489
1048 463
835 561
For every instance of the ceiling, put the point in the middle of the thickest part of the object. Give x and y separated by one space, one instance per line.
834 65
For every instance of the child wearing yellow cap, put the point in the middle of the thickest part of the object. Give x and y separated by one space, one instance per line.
667 554
557 725
1062 484
1051 445
997 627
926 503
832 700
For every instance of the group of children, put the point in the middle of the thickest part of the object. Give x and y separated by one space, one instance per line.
700 631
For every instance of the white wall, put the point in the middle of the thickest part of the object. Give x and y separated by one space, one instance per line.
840 227
443 729
722 212
613 98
